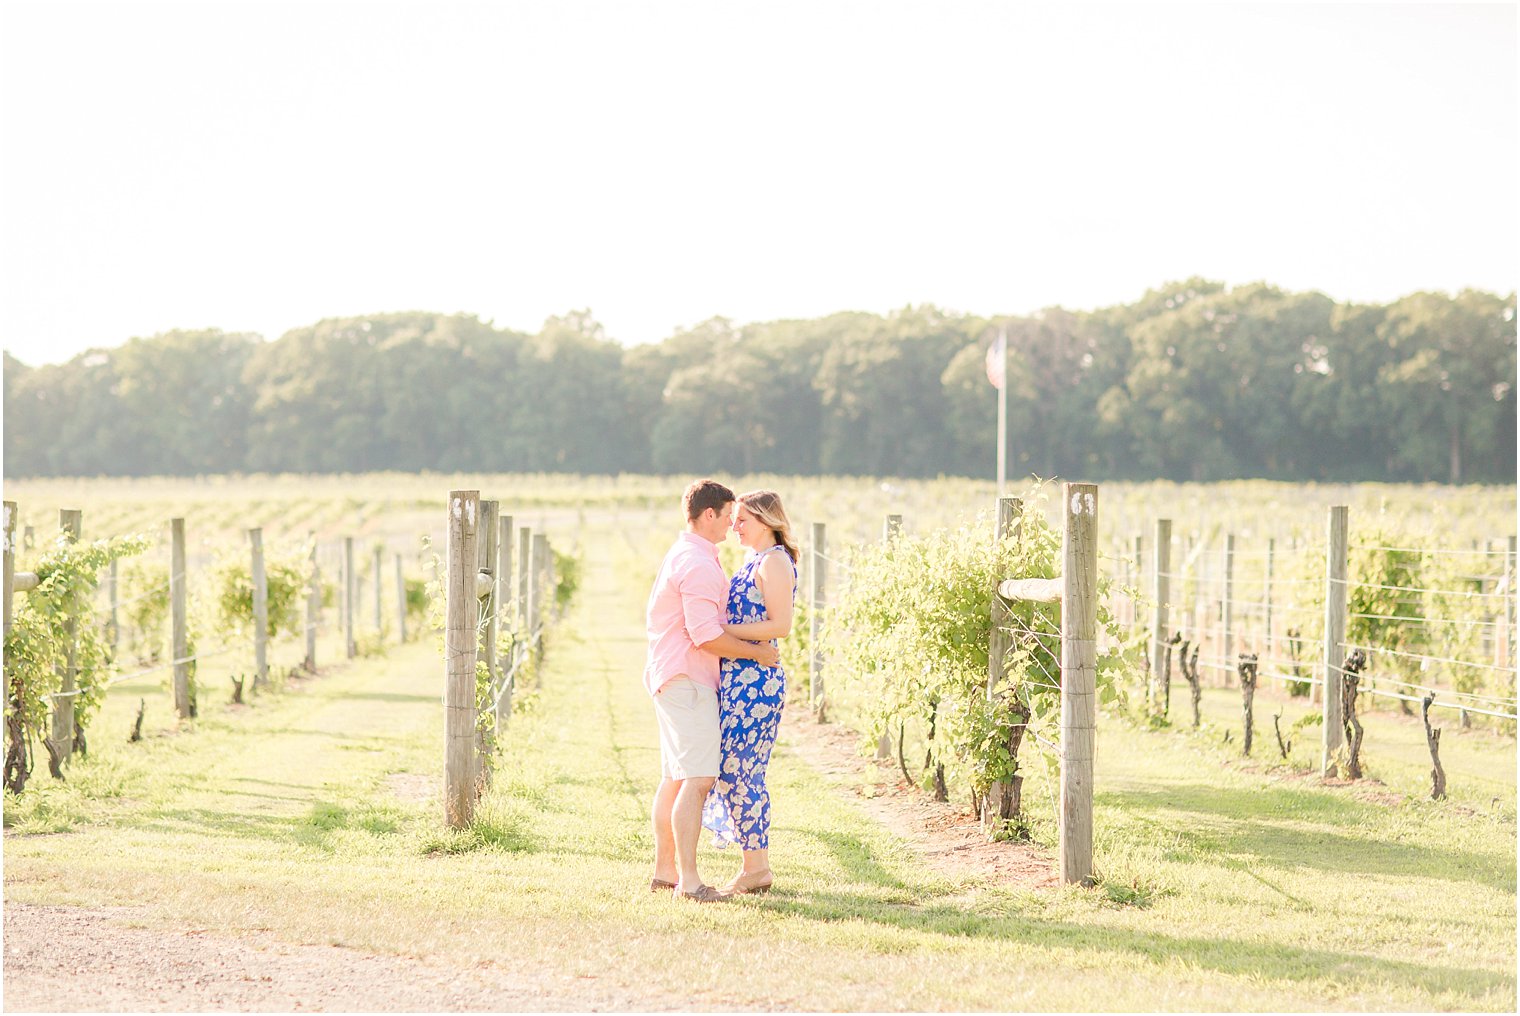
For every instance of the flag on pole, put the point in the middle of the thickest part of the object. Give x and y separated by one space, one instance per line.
996 359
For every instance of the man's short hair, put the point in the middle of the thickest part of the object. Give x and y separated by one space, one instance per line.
705 494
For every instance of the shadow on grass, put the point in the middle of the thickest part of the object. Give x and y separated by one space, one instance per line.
387 696
1257 960
1246 827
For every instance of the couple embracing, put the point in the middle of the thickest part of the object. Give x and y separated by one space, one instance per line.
714 674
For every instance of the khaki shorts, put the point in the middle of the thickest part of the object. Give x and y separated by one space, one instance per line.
687 713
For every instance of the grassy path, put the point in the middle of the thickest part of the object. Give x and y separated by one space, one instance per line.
310 819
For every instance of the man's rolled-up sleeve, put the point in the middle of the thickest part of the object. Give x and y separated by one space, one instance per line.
701 596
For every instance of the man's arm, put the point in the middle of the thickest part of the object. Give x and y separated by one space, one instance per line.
700 596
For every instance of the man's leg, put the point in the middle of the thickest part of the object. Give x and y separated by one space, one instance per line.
664 834
686 818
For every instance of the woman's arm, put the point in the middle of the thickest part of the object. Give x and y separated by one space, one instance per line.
775 582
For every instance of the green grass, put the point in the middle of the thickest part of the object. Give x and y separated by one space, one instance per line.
1222 886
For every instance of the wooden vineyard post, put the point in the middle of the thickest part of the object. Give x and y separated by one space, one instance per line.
1271 648
1161 579
817 573
10 565
1079 674
543 596
1335 635
1134 603
114 627
179 640
313 606
1509 628
400 602
487 566
460 644
61 744
350 583
998 804
260 610
15 734
376 570
524 591
891 529
1226 606
504 580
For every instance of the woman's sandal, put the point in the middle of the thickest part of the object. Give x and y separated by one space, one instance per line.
740 885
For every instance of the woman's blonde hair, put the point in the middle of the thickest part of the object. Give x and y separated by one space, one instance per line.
765 506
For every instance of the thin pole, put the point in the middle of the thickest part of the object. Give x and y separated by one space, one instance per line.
260 610
998 804
70 522
1335 634
379 559
1226 608
313 605
350 583
461 641
818 574
1161 584
1079 671
179 631
400 602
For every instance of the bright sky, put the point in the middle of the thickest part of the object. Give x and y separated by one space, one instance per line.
259 166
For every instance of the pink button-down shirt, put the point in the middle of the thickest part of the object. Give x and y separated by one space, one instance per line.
685 610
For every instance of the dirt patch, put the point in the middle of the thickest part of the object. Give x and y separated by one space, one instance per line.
414 787
947 836
63 959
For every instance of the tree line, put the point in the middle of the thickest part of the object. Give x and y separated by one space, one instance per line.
1194 381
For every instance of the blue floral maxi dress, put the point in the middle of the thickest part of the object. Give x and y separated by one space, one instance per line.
750 697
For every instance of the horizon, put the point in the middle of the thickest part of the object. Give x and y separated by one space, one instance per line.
738 324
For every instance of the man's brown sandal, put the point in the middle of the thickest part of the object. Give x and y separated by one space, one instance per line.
659 885
705 894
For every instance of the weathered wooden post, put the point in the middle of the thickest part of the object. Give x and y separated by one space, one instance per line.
1161 579
115 627
1079 673
350 583
542 596
891 529
461 641
1509 634
1226 607
260 610
1271 649
525 590
313 605
61 743
400 602
1335 635
376 569
998 804
1139 557
817 573
10 564
15 775
179 629
487 566
504 580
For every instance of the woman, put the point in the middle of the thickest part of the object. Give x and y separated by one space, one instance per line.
750 697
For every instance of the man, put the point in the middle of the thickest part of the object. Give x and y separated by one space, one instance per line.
686 639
